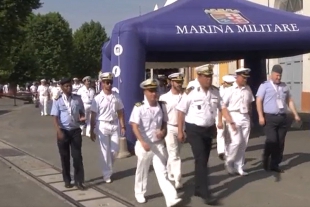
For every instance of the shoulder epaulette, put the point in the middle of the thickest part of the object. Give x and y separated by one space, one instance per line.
214 87
139 104
187 91
57 97
162 102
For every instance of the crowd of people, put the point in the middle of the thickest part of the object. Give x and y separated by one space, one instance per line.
166 117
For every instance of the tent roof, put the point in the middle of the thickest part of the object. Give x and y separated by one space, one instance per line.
202 30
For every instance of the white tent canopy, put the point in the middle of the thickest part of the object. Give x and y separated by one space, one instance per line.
168 2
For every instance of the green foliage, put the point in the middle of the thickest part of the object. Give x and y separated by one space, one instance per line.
13 15
51 38
88 41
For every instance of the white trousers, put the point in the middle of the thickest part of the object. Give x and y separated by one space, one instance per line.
86 128
173 147
44 105
239 140
157 155
222 138
108 136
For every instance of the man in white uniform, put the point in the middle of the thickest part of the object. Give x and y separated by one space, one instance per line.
76 85
148 123
44 96
238 100
106 112
199 109
87 95
33 90
172 98
55 91
162 84
222 137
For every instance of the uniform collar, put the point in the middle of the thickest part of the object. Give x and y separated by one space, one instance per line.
235 85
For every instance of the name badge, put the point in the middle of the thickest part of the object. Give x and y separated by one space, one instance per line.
279 103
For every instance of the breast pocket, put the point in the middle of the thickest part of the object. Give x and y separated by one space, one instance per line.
145 122
63 108
198 106
214 103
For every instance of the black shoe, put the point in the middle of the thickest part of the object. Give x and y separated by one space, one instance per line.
68 185
80 186
277 170
222 156
266 163
209 200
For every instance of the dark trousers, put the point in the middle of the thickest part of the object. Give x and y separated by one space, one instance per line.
72 139
275 130
201 142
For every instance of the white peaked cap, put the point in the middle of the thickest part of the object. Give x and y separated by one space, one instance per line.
229 78
156 7
168 2
243 70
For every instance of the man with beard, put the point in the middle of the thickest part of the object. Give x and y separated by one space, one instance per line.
171 99
106 115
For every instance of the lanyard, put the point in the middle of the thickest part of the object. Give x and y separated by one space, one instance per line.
68 104
276 88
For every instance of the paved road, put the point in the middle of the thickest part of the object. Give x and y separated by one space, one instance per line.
28 131
18 191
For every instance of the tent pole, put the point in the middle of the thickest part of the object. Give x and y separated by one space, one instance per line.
152 73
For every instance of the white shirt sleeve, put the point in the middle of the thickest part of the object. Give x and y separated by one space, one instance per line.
94 106
119 104
135 115
184 104
226 98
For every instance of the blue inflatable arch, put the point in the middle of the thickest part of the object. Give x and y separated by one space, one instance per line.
199 31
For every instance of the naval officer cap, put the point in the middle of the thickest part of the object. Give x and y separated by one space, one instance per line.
244 72
64 81
86 78
229 78
75 79
205 71
149 84
106 76
277 69
176 76
43 80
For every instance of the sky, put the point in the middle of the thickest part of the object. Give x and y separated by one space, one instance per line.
107 12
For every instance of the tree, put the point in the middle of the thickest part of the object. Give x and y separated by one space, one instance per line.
88 41
13 15
51 39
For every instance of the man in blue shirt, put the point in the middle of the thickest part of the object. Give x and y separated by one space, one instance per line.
273 97
68 111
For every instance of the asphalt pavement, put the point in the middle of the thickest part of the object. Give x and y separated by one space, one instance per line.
25 129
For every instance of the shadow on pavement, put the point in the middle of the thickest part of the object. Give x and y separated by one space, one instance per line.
228 188
4 112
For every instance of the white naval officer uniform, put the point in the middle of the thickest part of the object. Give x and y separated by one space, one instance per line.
106 129
237 100
44 94
172 143
149 120
87 96
76 86
222 137
200 110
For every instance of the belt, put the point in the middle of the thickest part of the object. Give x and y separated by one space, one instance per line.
280 114
174 125
109 122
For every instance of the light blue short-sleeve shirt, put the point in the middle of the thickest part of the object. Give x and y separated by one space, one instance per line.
60 110
269 93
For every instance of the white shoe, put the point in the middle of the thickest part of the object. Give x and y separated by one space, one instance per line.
108 181
174 202
140 199
242 173
229 168
178 185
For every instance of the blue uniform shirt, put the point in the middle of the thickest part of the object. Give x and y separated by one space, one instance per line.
269 95
60 110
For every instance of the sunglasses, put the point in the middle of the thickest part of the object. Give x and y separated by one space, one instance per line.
108 82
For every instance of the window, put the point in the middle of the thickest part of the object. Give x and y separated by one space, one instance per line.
291 5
